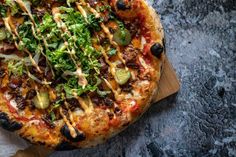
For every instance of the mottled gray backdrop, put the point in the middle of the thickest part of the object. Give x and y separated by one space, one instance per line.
201 120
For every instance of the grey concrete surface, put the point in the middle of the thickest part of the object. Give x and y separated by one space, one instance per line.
201 119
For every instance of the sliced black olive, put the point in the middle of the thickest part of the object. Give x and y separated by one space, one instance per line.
7 124
157 49
66 132
120 4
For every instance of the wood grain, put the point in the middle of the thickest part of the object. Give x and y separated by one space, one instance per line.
169 84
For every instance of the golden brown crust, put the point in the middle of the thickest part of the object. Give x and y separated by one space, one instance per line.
96 123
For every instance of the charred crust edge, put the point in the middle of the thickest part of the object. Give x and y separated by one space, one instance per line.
66 133
8 124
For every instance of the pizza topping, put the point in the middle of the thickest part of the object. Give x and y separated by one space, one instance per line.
79 54
127 87
31 94
157 49
108 102
21 102
122 76
79 136
2 73
7 124
5 48
41 100
120 4
49 120
122 37
132 65
3 34
130 54
15 82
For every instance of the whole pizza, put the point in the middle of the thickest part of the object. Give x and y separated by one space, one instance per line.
75 73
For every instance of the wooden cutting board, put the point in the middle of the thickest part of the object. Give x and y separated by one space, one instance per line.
169 85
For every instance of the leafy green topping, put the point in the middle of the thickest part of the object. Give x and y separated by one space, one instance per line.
65 41
3 10
65 51
112 52
13 6
3 34
15 67
104 8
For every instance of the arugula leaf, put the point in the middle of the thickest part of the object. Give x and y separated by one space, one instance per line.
93 22
112 52
65 51
3 10
15 67
13 6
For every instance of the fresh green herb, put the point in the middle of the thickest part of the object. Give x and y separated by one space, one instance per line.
104 8
121 24
3 34
13 6
65 51
52 116
93 22
15 67
112 52
3 10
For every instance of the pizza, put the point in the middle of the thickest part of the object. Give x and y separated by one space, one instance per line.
75 73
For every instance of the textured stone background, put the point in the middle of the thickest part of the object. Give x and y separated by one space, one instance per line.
201 120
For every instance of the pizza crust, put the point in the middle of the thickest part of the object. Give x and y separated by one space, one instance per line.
101 131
